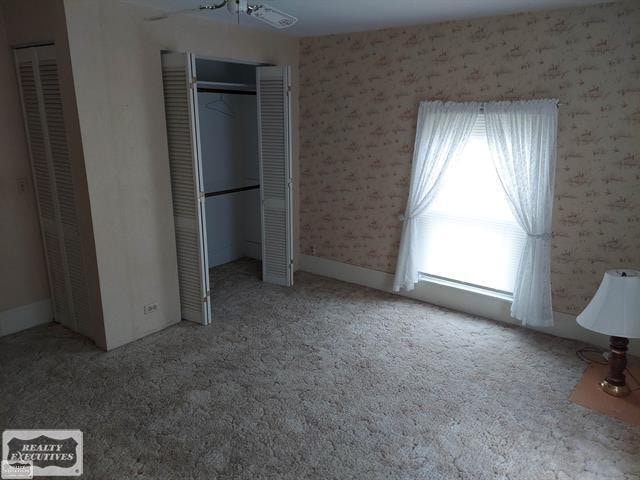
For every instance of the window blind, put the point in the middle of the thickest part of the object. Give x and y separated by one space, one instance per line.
469 233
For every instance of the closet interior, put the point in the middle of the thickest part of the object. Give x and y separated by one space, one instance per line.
228 127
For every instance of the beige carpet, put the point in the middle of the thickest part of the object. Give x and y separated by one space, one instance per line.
326 380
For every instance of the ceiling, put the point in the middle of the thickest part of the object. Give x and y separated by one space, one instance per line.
323 17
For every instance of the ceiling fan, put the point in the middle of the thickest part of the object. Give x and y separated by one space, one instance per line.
260 11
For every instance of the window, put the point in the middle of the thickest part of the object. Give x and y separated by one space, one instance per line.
469 234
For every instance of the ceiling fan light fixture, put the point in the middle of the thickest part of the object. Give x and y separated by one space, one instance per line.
260 11
272 16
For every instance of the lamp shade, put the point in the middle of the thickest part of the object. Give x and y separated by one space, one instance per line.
615 308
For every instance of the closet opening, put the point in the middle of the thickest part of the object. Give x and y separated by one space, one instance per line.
228 128
229 139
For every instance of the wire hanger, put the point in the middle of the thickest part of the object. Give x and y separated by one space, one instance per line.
221 106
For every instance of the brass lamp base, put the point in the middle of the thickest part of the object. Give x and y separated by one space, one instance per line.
615 390
615 384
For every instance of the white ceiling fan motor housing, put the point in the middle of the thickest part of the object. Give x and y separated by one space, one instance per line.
236 6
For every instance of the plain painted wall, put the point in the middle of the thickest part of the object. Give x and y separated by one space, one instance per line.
23 275
233 227
43 21
117 74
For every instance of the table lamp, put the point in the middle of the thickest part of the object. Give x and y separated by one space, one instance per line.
615 311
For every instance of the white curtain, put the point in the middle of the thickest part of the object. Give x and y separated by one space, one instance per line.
442 132
522 140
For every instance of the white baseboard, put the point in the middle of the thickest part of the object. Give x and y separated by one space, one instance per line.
452 298
25 316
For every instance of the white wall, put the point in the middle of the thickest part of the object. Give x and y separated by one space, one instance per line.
23 276
116 68
233 227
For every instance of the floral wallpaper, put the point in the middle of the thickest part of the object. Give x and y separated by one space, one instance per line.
358 105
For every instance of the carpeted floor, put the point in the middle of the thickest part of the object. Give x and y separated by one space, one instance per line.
325 380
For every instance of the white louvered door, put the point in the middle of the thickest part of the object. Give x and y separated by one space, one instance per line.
273 85
180 99
54 185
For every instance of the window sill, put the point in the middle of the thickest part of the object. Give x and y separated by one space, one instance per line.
467 288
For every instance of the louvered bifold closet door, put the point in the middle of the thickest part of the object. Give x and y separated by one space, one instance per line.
52 99
53 179
275 174
178 74
43 179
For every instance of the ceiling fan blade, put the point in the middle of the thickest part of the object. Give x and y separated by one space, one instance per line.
166 15
272 16
186 10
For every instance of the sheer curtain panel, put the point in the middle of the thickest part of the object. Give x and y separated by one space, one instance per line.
522 141
443 129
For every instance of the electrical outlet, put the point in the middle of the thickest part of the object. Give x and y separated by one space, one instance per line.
152 307
314 250
22 185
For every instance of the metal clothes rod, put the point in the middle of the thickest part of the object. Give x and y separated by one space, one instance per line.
224 90
232 190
